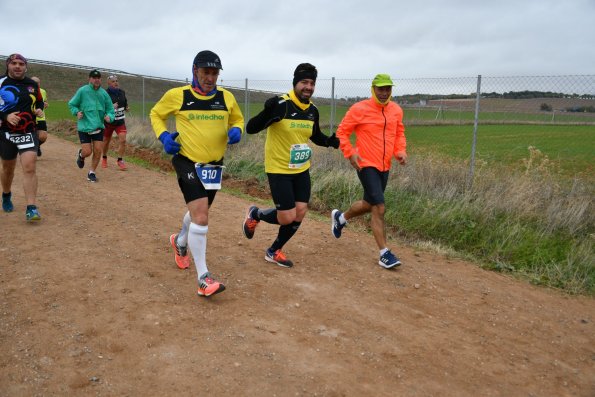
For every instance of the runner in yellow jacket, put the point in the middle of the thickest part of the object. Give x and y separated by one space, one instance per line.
208 118
380 135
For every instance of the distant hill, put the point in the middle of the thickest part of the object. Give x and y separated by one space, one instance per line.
62 82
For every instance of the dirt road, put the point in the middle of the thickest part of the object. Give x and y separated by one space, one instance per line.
92 304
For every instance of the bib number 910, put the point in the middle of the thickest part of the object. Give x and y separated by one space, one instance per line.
209 175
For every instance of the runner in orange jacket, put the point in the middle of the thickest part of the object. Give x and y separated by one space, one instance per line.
380 135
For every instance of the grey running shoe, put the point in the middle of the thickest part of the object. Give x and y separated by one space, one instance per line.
208 286
250 223
278 257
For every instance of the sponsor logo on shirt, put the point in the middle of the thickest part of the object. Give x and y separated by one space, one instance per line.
294 124
200 116
217 106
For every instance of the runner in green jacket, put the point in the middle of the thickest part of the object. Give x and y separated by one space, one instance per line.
92 106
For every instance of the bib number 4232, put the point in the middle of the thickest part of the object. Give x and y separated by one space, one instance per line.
23 141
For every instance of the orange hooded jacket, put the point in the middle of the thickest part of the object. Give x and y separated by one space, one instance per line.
379 132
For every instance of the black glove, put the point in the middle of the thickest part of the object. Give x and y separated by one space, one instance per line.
333 141
271 103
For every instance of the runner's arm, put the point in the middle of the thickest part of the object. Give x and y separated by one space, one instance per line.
274 111
109 107
39 104
165 107
236 118
344 131
75 103
400 148
320 139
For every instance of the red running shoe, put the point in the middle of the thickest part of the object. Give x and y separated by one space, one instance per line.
180 253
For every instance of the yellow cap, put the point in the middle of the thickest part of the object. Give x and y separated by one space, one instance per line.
382 80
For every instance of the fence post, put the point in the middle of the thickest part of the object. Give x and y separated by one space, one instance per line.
333 106
144 114
473 145
246 104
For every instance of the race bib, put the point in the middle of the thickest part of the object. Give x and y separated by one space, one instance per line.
209 175
23 141
95 132
119 113
299 154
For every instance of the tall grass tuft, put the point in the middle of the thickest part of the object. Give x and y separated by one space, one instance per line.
140 133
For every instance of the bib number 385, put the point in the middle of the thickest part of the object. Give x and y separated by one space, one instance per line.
210 175
299 154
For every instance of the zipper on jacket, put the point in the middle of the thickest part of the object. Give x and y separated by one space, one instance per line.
383 140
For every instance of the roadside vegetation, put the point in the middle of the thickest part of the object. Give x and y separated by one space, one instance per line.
522 216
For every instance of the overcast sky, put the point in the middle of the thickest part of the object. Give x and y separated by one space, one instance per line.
346 39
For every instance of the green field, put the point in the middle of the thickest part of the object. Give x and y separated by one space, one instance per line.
571 148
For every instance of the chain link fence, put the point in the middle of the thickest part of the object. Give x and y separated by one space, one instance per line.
514 100
461 101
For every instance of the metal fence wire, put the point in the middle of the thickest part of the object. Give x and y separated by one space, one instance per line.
472 101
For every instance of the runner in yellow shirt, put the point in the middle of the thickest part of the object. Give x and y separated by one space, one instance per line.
207 118
291 121
42 127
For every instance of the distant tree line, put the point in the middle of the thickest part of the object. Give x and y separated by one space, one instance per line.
416 98
533 94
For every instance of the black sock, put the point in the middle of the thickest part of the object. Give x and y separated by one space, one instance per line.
119 158
286 232
269 216
6 195
105 157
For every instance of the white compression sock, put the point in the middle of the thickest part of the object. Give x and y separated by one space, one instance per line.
183 236
197 242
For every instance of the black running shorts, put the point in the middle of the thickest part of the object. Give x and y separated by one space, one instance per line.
374 182
42 125
86 137
16 143
190 185
287 189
